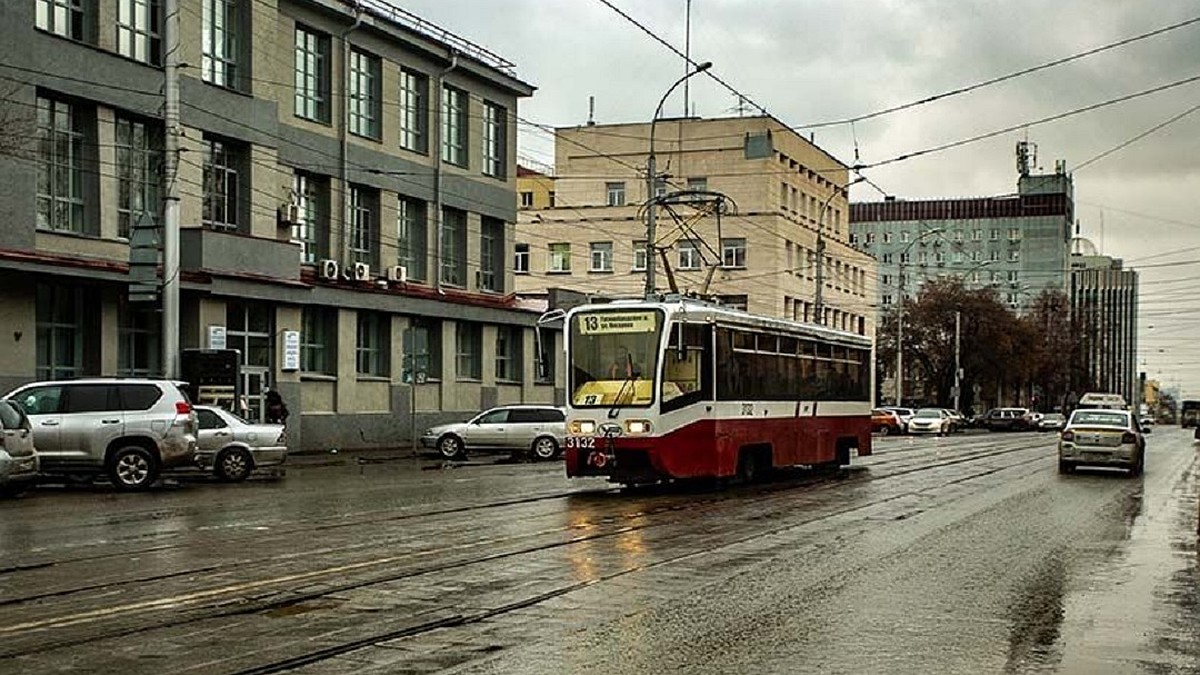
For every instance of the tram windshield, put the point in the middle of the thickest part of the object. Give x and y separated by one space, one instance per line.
614 357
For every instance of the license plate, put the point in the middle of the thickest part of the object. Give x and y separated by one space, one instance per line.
581 442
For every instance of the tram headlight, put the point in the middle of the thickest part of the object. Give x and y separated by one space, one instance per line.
636 427
582 427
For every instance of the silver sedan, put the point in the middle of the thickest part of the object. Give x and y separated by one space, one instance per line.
232 448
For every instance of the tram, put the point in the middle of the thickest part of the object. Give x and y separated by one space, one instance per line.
684 389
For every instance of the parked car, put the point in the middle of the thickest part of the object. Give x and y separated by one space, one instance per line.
930 421
957 421
885 422
233 448
1102 437
1009 419
129 429
905 414
18 457
1051 422
537 429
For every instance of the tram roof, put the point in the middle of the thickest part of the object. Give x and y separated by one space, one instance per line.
713 313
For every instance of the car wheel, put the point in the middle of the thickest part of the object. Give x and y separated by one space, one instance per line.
450 447
13 490
1136 469
545 449
233 465
132 468
887 431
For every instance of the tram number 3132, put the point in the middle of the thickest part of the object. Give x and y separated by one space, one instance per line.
581 442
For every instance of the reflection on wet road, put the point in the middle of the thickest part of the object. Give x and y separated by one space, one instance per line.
966 554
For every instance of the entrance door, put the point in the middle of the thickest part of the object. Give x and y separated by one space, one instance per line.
254 392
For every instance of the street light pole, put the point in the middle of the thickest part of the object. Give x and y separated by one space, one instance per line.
900 316
652 179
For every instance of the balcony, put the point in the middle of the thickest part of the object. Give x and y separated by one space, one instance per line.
204 250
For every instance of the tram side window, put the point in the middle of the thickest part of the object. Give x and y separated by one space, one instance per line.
687 380
788 370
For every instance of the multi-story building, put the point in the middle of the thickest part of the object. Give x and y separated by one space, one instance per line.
348 194
786 197
1104 317
1018 244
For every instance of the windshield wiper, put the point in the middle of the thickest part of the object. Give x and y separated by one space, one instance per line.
612 412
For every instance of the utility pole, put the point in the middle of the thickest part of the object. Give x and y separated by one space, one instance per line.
957 360
170 293
819 297
900 339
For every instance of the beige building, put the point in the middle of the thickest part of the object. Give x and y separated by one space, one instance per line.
787 199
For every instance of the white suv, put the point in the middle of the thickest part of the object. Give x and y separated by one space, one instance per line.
129 429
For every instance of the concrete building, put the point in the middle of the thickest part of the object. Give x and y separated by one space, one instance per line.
1019 244
787 199
348 199
1104 316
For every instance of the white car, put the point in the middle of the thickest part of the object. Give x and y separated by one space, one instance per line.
930 421
1099 437
537 429
233 448
18 458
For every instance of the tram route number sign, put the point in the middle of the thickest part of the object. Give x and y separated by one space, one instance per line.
602 323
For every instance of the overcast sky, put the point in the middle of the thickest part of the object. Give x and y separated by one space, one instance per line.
811 61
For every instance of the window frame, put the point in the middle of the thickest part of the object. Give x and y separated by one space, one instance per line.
139 156
495 140
412 237
454 247
430 332
559 252
139 24
640 256
510 350
363 217
414 111
455 107
311 195
364 109
318 344
312 75
521 256
232 158
614 193
372 344
491 254
47 15
220 46
736 246
695 259
61 123
605 251
468 335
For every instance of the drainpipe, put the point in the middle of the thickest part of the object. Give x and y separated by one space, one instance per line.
436 104
342 252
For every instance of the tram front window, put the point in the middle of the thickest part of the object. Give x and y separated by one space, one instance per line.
614 357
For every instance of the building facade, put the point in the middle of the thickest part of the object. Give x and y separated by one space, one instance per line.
1104 311
1017 244
348 193
785 200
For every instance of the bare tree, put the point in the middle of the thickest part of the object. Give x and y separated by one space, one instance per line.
18 122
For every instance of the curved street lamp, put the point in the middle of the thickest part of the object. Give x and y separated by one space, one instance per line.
652 178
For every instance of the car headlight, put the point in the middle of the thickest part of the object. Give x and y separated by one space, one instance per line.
582 427
635 427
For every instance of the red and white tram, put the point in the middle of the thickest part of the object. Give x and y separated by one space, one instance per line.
686 389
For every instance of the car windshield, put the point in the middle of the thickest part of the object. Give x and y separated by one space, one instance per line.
614 357
1100 418
928 413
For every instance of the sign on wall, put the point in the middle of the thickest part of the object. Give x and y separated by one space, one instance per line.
291 350
216 337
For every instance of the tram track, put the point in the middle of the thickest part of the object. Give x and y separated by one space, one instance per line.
246 605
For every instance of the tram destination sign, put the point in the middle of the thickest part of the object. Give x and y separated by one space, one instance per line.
601 323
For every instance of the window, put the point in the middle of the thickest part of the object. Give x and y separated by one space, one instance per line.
454 247
543 372
209 420
414 111
526 200
994 256
784 192
977 235
886 258
905 258
371 351
697 184
138 396
887 299
602 256
616 193
312 75
734 301
364 224
887 237
1013 299
45 400
689 255
1014 276
976 256
454 126
491 254
139 168
422 350
550 198
139 350
870 237
509 350
468 342
318 340
1014 234
639 256
137 30
312 223
997 277
412 241
61 17
958 235
974 277
495 143
222 184
60 330
1014 255
521 259
733 252
958 257
365 96
995 234
60 196
885 280
86 398
940 257
220 45
560 258
660 187
904 237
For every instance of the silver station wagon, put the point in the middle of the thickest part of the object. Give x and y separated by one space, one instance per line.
536 429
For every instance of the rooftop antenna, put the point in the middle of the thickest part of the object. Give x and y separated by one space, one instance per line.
687 52
591 111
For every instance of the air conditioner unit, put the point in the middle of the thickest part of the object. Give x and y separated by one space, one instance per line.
329 269
362 272
398 273
289 214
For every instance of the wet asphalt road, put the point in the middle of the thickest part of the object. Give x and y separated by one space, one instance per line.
967 554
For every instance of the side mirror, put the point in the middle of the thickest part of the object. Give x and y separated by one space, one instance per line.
680 346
